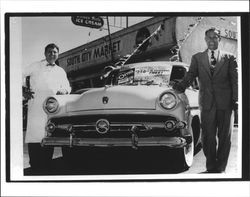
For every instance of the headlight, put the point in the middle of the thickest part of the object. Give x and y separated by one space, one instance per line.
168 100
51 105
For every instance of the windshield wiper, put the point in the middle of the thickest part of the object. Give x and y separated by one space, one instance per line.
147 82
152 82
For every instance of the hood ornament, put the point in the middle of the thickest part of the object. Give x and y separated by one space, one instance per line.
105 100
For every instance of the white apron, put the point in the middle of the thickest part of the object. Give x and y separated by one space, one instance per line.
44 81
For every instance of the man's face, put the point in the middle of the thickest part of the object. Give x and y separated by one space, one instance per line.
51 55
212 39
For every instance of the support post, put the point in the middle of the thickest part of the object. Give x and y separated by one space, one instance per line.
110 41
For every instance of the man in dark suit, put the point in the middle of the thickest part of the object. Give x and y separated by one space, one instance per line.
218 97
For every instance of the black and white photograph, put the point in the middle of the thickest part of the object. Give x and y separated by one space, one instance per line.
119 98
126 97
115 105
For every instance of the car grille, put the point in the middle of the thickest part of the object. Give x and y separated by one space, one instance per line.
120 126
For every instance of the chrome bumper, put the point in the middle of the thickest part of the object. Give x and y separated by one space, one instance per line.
134 142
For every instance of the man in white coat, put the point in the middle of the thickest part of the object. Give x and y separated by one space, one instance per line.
46 79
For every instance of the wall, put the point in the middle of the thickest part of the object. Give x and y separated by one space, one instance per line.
195 27
123 42
85 64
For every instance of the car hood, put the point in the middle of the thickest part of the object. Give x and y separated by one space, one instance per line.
117 97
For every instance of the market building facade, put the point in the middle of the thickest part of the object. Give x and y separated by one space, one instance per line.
172 39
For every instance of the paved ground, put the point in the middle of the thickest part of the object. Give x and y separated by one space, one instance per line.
199 159
110 164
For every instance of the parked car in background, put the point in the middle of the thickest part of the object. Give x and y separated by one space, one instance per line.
136 108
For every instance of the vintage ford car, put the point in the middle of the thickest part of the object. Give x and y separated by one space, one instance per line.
136 108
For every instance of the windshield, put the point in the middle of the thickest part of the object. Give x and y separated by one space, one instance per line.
145 75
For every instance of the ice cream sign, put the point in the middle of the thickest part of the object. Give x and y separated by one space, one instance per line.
88 21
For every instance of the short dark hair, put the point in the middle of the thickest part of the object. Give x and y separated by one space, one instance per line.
217 31
51 45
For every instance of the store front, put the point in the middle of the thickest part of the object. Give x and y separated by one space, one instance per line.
178 38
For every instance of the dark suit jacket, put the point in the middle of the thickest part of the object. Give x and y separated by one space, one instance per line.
220 88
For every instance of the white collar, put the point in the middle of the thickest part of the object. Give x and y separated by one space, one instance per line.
48 64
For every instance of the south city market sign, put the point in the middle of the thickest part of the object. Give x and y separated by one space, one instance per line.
102 51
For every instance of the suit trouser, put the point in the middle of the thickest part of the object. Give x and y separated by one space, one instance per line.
216 137
40 157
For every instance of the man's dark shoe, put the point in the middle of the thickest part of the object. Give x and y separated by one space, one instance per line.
209 171
221 171
213 171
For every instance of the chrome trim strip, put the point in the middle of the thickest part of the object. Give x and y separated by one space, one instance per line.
145 126
194 107
173 142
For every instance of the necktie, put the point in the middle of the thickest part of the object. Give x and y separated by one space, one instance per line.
213 62
213 59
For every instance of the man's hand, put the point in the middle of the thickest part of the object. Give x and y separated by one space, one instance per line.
178 88
62 91
27 94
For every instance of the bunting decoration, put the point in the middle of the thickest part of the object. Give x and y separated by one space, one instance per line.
123 60
176 49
